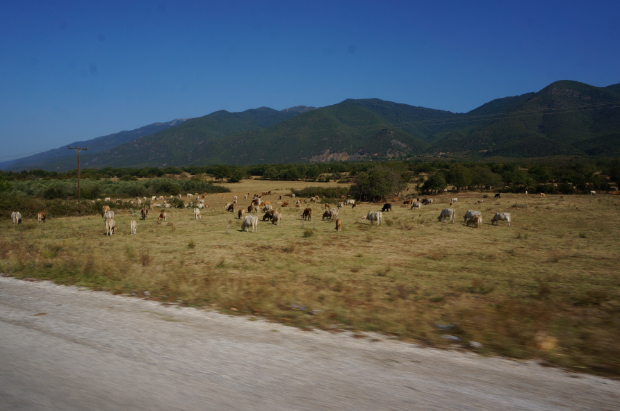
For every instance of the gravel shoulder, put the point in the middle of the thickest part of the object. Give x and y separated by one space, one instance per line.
62 348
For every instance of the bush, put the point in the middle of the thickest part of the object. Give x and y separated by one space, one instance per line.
323 192
308 233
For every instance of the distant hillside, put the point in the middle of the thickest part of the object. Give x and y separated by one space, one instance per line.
566 118
62 158
188 143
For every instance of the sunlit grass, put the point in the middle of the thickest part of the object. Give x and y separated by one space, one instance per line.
552 276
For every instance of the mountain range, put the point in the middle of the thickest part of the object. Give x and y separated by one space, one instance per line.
564 118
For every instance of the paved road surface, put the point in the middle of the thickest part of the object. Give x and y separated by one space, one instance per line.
96 351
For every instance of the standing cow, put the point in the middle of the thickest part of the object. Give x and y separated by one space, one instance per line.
134 226
446 213
16 217
307 214
501 217
41 217
250 221
374 216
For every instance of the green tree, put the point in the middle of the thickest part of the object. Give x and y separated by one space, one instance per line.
236 176
376 184
459 176
4 185
435 182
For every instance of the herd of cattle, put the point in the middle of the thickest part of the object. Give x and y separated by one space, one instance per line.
250 222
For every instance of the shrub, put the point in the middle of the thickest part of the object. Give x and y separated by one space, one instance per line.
308 233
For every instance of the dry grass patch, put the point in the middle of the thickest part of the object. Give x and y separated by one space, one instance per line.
537 288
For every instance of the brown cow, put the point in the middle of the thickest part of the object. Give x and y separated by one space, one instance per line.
230 207
240 213
338 225
144 212
327 206
307 213
285 204
162 216
104 210
269 215
41 217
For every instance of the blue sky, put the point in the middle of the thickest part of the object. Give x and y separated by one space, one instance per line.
78 70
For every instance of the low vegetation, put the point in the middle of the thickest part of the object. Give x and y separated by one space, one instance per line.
547 287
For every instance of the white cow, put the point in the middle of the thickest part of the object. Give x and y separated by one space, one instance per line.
250 221
201 205
16 217
501 216
110 226
107 199
416 204
475 219
276 219
592 192
109 215
470 213
374 216
197 214
454 200
446 213
350 202
334 213
134 226
267 208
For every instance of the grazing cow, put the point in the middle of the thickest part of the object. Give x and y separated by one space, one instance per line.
592 193
374 216
543 195
41 217
501 216
479 201
353 206
280 197
104 210
16 217
470 213
498 195
269 215
110 226
307 213
188 196
109 215
267 207
446 213
276 219
454 200
250 221
350 202
107 199
292 195
298 202
201 206
144 212
167 205
240 213
197 214
327 214
338 225
416 204
340 204
264 203
162 216
134 226
386 207
285 204
327 206
407 202
157 205
427 201
475 220
230 207
334 213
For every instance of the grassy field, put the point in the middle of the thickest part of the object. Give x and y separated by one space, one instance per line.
547 287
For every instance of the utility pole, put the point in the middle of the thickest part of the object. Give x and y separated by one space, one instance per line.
77 149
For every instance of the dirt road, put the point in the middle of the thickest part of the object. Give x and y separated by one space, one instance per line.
65 349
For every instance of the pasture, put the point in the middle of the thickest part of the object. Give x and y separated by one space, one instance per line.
546 287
